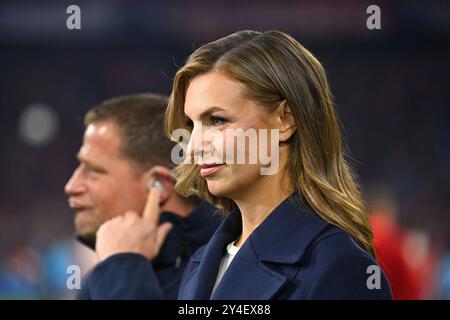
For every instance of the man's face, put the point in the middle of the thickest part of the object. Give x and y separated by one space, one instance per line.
105 184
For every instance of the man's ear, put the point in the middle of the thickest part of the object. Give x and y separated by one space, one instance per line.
287 122
166 181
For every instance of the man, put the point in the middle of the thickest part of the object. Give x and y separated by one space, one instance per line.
124 150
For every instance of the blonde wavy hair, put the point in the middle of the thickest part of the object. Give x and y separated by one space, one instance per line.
274 68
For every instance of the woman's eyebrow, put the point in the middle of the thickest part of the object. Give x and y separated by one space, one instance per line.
210 110
206 113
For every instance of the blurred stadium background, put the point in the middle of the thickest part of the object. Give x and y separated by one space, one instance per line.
391 86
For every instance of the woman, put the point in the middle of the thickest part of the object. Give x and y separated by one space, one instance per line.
299 233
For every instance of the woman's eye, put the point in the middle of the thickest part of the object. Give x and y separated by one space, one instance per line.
218 121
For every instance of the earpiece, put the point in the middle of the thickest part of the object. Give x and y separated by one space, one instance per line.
156 184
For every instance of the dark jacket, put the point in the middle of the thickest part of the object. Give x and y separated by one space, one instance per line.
132 276
293 254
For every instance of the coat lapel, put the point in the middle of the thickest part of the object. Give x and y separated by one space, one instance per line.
200 281
279 243
246 269
200 284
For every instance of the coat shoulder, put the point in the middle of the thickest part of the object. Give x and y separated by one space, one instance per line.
336 267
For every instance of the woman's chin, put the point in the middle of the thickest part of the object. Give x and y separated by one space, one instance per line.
218 189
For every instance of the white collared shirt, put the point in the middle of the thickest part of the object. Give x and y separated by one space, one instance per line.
232 250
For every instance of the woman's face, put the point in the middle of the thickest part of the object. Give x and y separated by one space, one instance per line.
215 103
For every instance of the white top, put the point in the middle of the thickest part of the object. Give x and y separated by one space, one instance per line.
232 250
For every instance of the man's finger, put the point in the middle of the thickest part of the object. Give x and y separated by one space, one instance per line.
151 210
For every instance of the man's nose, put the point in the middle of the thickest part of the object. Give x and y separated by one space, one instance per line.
75 185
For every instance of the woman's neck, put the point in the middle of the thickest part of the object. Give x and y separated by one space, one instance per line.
259 202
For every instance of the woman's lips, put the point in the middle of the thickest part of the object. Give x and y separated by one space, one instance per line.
209 169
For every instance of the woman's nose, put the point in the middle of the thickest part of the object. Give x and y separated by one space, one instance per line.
195 145
200 142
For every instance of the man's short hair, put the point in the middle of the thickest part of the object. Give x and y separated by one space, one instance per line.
139 118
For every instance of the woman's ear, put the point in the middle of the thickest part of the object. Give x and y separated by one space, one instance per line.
162 178
287 122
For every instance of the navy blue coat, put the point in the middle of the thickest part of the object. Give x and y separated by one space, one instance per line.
132 276
293 254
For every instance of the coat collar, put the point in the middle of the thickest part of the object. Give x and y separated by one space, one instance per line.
282 238
187 234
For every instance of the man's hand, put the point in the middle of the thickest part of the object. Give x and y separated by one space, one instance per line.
131 233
